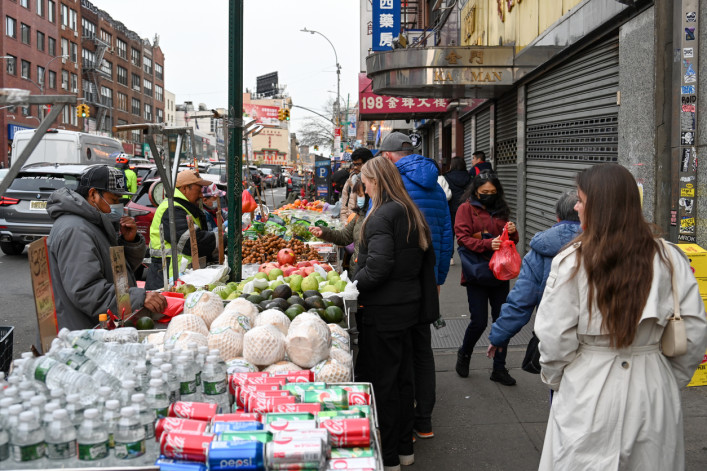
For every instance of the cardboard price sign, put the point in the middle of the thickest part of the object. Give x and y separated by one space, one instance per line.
43 293
194 246
121 281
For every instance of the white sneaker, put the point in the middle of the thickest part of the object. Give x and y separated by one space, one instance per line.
407 460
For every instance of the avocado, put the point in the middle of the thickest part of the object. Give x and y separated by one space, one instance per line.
255 298
327 303
245 295
334 315
282 291
260 309
314 302
278 303
295 300
266 293
294 311
310 293
322 313
264 303
337 300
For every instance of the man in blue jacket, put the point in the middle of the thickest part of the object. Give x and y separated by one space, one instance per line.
528 289
420 178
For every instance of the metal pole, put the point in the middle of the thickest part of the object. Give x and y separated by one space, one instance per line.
235 131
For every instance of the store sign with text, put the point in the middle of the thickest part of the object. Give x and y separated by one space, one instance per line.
266 115
373 104
386 24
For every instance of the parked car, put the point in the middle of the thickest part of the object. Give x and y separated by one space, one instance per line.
294 183
3 172
145 172
269 178
277 171
23 207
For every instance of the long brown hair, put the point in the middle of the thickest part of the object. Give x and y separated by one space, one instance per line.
390 186
617 248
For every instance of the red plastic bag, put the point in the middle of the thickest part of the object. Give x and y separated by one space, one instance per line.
248 204
505 262
175 306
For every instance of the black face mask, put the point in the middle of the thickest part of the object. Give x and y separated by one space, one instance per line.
489 201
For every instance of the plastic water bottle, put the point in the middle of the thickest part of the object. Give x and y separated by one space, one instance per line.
13 393
5 404
4 444
48 416
127 389
187 380
81 363
26 397
27 439
157 398
141 378
104 394
55 374
130 435
111 416
92 437
58 395
37 404
170 379
145 415
13 417
74 408
61 437
214 384
115 359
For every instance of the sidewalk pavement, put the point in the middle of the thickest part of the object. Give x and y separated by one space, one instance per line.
482 425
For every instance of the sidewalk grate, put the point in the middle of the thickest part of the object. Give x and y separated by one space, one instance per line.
452 335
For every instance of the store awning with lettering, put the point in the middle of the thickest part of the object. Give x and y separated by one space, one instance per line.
372 106
452 72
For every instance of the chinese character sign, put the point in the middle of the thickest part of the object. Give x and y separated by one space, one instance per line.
373 104
266 115
386 24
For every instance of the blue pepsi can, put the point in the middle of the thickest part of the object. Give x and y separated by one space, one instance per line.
168 464
240 455
244 426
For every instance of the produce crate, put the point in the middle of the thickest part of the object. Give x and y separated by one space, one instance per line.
6 348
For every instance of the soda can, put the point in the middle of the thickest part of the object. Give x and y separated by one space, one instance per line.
242 426
169 464
312 407
352 463
193 410
280 416
259 436
357 387
236 455
237 379
297 454
183 446
302 376
357 398
238 417
258 397
365 409
174 424
331 399
352 453
245 390
265 405
291 425
298 389
348 433
317 433
277 380
340 414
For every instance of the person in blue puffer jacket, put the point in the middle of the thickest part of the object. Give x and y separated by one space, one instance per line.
528 289
420 178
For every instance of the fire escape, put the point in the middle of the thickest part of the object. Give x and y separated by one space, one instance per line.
409 18
92 74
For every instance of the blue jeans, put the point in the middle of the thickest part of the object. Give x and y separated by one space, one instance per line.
479 298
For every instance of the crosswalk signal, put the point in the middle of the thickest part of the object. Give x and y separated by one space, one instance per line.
280 114
287 114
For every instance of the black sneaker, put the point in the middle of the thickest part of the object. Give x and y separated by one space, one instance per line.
463 364
502 376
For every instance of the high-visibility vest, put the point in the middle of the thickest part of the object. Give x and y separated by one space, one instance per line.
155 246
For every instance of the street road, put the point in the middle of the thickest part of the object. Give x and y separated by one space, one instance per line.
17 301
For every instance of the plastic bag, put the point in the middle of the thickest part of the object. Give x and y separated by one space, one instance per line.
248 204
175 305
505 262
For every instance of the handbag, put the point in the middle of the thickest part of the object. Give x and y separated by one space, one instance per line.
673 343
531 361
475 267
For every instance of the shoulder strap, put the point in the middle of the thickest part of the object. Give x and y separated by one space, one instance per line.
676 302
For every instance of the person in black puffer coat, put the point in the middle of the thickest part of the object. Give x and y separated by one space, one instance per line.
458 179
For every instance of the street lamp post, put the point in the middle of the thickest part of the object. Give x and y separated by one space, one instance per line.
40 85
338 74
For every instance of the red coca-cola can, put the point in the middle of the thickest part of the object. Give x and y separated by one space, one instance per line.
183 446
245 390
312 407
264 404
174 424
302 376
238 417
359 398
237 379
348 433
193 410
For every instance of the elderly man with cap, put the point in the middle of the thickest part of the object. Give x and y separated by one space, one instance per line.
187 194
420 178
89 221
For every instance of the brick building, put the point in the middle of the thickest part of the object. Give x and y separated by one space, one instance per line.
71 47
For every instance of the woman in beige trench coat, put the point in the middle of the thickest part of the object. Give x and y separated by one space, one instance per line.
617 401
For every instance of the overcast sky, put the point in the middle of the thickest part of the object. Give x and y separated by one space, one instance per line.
194 39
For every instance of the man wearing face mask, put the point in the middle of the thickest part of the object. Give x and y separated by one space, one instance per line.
87 223
211 195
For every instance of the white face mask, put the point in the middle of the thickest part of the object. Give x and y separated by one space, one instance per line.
116 210
213 205
360 201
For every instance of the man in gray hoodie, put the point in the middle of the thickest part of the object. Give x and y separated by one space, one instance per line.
87 223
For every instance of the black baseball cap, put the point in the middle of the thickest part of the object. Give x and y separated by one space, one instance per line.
105 178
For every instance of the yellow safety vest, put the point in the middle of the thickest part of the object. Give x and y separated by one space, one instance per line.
155 246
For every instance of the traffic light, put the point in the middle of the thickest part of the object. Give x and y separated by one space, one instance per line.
287 114
83 111
280 114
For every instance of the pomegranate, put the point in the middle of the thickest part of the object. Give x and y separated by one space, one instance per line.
286 257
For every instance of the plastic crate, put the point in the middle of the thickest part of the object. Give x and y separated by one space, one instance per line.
6 348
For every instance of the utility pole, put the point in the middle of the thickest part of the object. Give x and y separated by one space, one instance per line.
235 135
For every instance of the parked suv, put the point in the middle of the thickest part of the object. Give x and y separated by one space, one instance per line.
23 207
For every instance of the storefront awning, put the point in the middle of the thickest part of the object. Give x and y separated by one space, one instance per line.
458 72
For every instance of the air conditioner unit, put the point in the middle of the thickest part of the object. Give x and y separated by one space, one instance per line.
75 90
63 60
76 34
64 86
63 27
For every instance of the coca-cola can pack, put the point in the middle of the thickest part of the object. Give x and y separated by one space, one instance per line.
348 433
302 376
193 410
184 446
238 417
175 424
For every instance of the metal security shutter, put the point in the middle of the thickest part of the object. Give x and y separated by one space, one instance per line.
467 143
571 124
483 133
433 154
505 148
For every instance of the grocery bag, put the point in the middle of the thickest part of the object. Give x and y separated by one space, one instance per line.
505 262
248 204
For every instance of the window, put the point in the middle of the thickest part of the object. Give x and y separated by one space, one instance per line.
64 47
89 91
51 42
40 8
147 87
11 65
74 83
106 37
135 57
88 57
25 3
159 93
51 11
25 111
107 97
69 116
52 79
64 16
148 112
26 69
40 75
25 32
147 65
72 21
122 76
65 79
88 28
122 48
107 68
122 101
160 115
136 82
10 27
136 107
40 41
74 52
159 72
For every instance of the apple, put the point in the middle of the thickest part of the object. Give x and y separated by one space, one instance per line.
286 256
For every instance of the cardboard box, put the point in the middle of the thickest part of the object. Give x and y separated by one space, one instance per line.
702 286
698 260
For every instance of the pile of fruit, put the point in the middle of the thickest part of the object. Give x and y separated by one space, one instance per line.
317 205
266 247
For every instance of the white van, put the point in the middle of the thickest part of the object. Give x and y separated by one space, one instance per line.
67 147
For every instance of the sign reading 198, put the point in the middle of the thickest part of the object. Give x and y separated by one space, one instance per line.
370 102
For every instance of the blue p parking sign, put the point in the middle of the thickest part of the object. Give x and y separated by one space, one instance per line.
322 172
